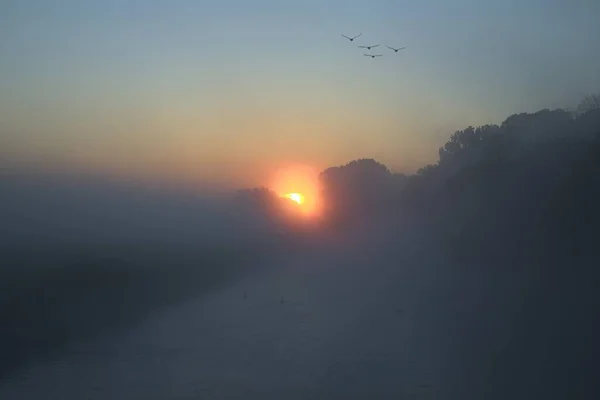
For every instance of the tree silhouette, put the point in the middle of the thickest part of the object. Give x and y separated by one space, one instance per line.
488 173
588 103
358 190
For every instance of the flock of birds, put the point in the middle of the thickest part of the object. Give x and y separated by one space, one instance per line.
372 46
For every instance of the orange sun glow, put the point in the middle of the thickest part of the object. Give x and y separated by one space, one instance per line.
300 184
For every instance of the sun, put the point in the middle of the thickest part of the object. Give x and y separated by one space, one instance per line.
297 197
300 184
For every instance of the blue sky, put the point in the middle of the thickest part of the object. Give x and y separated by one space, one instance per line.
227 91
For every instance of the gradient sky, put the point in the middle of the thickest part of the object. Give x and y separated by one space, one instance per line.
226 92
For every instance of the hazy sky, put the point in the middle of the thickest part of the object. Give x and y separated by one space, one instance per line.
229 91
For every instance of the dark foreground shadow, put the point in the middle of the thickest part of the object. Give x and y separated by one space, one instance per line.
52 296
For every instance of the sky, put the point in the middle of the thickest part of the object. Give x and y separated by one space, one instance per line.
226 93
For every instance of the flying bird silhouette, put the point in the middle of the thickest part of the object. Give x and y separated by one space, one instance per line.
369 47
373 55
396 50
351 38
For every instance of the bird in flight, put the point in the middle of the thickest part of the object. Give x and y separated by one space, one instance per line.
351 38
396 50
369 47
373 55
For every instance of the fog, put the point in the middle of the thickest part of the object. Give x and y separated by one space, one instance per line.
41 208
474 278
83 256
